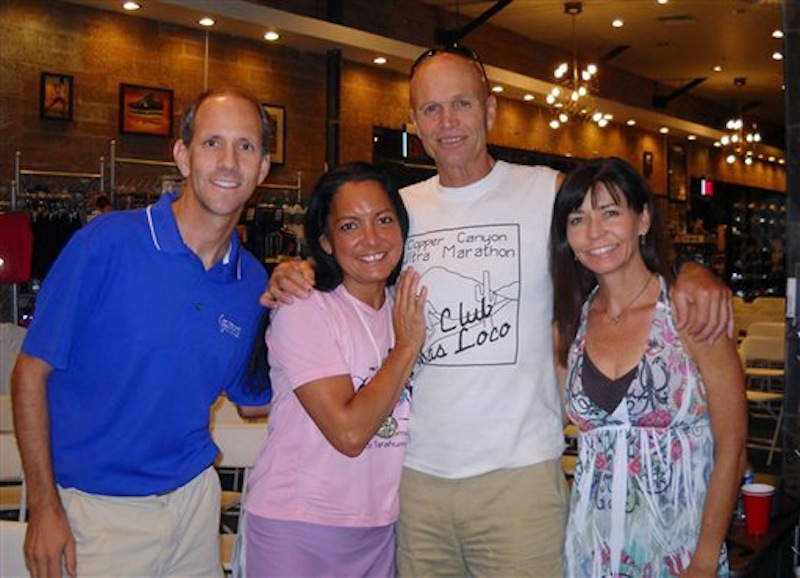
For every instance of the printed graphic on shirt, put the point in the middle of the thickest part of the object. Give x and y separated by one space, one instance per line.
473 280
393 432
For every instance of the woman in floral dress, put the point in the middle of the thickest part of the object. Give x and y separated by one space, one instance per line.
662 418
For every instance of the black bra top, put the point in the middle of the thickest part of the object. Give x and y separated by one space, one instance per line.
604 392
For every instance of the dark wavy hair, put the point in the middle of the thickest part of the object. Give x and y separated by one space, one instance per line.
572 282
187 122
327 272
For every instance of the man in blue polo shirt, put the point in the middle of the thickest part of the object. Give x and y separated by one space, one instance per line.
144 319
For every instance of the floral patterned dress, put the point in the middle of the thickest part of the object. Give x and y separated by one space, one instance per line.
643 469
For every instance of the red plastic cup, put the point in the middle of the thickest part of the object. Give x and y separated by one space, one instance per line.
757 507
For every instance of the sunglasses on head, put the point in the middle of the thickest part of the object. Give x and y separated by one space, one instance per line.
455 48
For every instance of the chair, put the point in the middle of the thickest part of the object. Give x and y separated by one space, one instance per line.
770 303
11 337
763 360
763 364
765 405
6 414
12 559
224 413
239 446
770 329
12 483
743 320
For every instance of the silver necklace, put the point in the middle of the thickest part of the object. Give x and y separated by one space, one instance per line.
378 357
615 319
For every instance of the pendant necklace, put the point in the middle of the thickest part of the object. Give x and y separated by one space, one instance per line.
615 319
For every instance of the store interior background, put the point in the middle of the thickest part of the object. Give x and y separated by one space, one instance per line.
366 118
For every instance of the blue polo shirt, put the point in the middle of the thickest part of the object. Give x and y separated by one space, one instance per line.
142 340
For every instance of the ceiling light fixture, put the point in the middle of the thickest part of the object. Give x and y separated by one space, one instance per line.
742 138
617 23
777 33
271 35
206 21
572 97
777 56
528 97
380 60
131 6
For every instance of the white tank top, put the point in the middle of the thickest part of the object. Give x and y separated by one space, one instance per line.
485 397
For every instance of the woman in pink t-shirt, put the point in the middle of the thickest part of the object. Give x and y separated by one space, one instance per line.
323 495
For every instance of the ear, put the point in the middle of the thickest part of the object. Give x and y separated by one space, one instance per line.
412 115
263 170
325 244
181 155
491 111
644 220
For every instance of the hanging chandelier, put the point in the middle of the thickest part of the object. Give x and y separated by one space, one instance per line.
572 97
741 141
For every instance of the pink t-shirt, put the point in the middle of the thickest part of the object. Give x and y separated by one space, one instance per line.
299 475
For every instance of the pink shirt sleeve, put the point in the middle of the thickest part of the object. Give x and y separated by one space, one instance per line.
303 342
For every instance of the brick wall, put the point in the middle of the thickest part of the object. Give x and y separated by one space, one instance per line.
103 49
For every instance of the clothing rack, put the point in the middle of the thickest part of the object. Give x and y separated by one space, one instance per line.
20 172
146 188
63 200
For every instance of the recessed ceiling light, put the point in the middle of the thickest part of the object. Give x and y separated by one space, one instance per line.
777 56
771 158
663 1
777 33
691 137
781 161
206 21
271 35
497 88
663 130
617 23
528 97
630 122
379 60
717 68
131 6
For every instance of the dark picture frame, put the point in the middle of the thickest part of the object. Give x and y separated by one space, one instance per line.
145 110
647 164
277 121
56 96
677 178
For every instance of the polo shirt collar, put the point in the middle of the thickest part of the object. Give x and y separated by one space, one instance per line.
166 237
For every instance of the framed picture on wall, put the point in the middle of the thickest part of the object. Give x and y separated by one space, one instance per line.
647 164
56 96
145 110
677 180
277 144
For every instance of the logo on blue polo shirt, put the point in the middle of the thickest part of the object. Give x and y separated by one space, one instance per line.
226 326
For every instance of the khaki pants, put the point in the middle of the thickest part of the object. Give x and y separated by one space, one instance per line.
176 534
505 523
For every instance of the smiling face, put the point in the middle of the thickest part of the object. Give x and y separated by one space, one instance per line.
223 163
453 112
604 234
364 236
